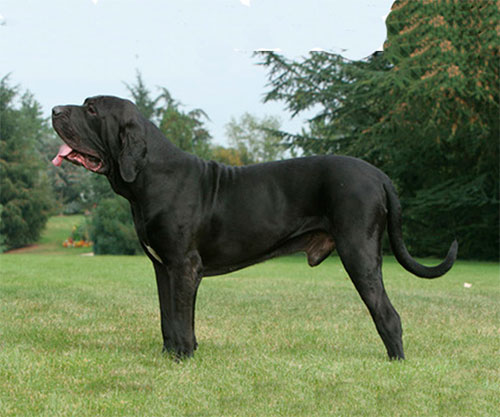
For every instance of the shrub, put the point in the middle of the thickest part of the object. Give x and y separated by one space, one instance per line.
112 229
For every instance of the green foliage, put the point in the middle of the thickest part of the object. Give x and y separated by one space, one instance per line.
184 129
81 232
2 237
455 207
425 111
112 230
340 90
25 194
142 97
100 188
228 156
254 139
441 129
446 72
72 185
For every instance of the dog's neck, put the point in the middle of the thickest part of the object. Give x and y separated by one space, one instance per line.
163 158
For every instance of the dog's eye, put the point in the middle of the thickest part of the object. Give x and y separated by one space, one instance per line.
91 110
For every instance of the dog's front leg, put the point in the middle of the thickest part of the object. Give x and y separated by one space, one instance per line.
177 287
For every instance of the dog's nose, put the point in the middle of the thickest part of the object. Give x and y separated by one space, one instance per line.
57 111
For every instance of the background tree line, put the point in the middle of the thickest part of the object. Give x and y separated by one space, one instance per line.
426 111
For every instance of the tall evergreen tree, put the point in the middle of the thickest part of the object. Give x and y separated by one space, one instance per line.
25 194
141 96
442 124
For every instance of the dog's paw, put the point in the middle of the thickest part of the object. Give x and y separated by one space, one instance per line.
179 351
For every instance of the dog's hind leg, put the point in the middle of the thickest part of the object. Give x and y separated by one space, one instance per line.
362 259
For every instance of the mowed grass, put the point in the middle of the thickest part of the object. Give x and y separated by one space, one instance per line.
80 336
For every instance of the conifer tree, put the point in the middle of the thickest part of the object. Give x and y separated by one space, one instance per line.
25 194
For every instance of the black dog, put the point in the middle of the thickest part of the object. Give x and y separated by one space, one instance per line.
196 217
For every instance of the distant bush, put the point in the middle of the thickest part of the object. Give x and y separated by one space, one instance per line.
2 237
112 229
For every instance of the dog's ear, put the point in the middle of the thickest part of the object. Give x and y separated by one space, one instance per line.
132 157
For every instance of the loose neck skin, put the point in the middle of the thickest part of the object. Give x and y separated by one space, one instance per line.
163 158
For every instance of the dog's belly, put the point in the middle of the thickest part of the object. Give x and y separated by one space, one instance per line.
230 252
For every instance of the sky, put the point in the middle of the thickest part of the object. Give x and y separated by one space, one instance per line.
200 50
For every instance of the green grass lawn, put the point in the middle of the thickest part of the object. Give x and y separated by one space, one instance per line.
80 336
57 231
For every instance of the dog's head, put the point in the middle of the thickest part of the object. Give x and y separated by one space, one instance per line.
105 135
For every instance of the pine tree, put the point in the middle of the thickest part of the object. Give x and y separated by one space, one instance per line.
25 194
442 126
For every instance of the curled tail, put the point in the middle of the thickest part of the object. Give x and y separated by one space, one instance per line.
399 248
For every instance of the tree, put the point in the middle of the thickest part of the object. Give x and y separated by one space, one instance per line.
186 130
445 74
142 97
72 185
425 111
228 156
340 90
254 139
25 197
442 122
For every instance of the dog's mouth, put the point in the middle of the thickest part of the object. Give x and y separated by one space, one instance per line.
90 162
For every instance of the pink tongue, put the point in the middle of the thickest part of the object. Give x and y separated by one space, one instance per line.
64 150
